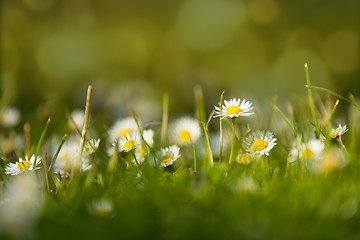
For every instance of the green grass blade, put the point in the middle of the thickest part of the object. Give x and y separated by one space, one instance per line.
311 102
165 116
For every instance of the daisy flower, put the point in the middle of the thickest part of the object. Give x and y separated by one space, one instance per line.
92 145
312 150
130 142
339 131
260 143
149 139
243 158
167 156
101 207
121 128
9 117
22 208
185 130
234 109
68 155
332 159
23 165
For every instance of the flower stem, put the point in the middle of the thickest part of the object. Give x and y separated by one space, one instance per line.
221 130
193 145
233 141
77 164
312 106
41 141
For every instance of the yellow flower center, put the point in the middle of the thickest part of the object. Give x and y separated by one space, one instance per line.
166 158
329 166
123 132
184 136
307 153
260 145
129 144
244 159
233 110
333 133
23 165
63 156
142 150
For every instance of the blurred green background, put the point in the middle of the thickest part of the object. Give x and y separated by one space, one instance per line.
134 51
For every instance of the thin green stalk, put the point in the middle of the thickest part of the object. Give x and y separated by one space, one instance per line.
354 103
208 145
193 145
44 163
113 160
165 115
73 122
233 141
41 140
221 127
77 164
312 106
143 142
331 114
134 155
278 111
57 152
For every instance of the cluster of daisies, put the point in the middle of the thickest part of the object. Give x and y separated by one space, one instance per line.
128 137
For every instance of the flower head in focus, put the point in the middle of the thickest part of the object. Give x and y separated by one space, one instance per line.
23 165
234 109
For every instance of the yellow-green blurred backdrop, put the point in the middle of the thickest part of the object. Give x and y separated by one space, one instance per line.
52 49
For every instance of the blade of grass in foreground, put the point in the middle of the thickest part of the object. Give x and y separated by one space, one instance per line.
221 129
143 142
165 115
201 116
352 101
57 152
41 140
77 164
311 102
278 111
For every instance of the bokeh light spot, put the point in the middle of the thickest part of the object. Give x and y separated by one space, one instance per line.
341 51
288 73
66 55
207 25
263 11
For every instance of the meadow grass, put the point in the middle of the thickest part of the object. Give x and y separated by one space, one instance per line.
301 181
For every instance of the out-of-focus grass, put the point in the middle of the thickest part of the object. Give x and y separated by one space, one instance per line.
270 198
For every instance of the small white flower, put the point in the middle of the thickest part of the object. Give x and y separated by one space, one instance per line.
68 156
185 130
260 143
121 128
244 158
312 150
339 131
23 206
130 142
101 207
167 156
92 145
149 139
332 159
234 109
23 165
9 117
